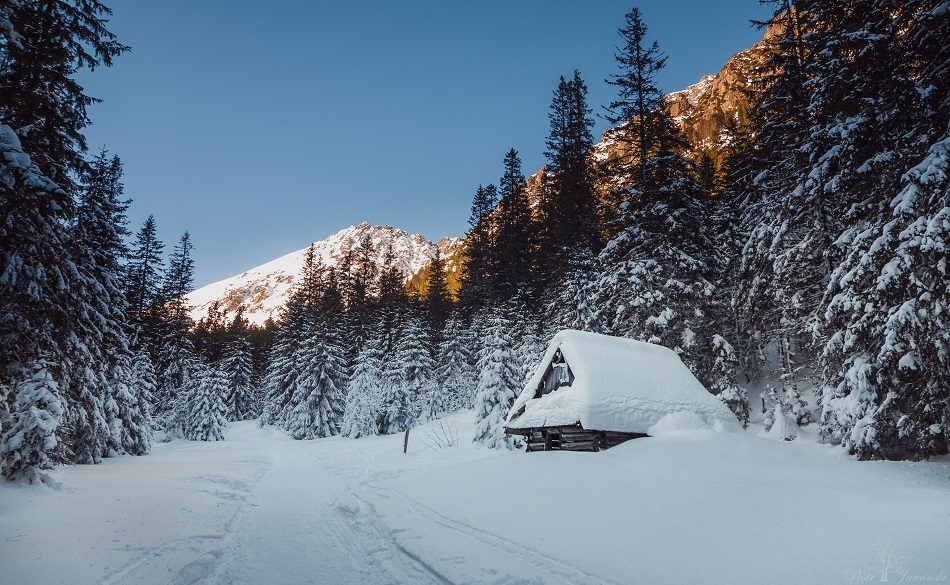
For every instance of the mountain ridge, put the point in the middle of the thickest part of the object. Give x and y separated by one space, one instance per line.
261 291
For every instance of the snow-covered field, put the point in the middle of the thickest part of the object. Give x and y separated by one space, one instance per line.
687 507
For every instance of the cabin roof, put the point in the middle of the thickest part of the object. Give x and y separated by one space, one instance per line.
619 385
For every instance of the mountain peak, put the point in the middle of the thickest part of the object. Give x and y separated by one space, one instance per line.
263 290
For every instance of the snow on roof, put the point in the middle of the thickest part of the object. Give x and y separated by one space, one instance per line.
620 385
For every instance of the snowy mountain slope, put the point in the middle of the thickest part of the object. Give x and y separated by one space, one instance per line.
688 508
262 291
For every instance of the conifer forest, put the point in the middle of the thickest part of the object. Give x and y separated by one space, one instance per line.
797 262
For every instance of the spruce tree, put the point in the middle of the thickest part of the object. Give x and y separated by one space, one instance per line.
572 304
645 175
653 281
318 400
410 388
478 274
364 406
29 441
100 233
44 46
392 293
305 382
636 110
839 108
568 206
179 280
144 384
127 409
278 382
54 298
515 258
34 309
499 381
238 366
316 407
455 374
778 420
176 352
529 335
103 406
724 383
708 175
281 376
205 405
437 300
144 272
783 266
174 358
358 294
175 411
282 371
210 334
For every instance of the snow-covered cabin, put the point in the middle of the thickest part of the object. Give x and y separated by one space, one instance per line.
592 391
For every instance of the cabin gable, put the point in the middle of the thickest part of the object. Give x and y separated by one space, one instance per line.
557 374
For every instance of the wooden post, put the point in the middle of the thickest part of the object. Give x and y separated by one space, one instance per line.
405 441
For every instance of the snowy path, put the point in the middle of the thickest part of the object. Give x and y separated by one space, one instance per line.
260 508
278 530
305 527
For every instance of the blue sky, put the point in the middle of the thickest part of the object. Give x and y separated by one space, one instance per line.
261 127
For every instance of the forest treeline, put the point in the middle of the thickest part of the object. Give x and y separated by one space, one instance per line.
807 249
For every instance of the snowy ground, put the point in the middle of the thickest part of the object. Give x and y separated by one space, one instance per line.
689 507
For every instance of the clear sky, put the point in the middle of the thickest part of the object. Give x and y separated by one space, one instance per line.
261 127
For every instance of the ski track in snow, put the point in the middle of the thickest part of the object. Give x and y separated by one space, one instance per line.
362 535
284 528
210 546
360 527
552 569
313 531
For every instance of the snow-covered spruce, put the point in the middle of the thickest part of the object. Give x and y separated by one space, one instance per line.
175 368
407 377
724 383
144 382
455 373
364 394
29 441
281 375
177 417
316 407
499 381
886 358
242 400
206 411
31 277
127 408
